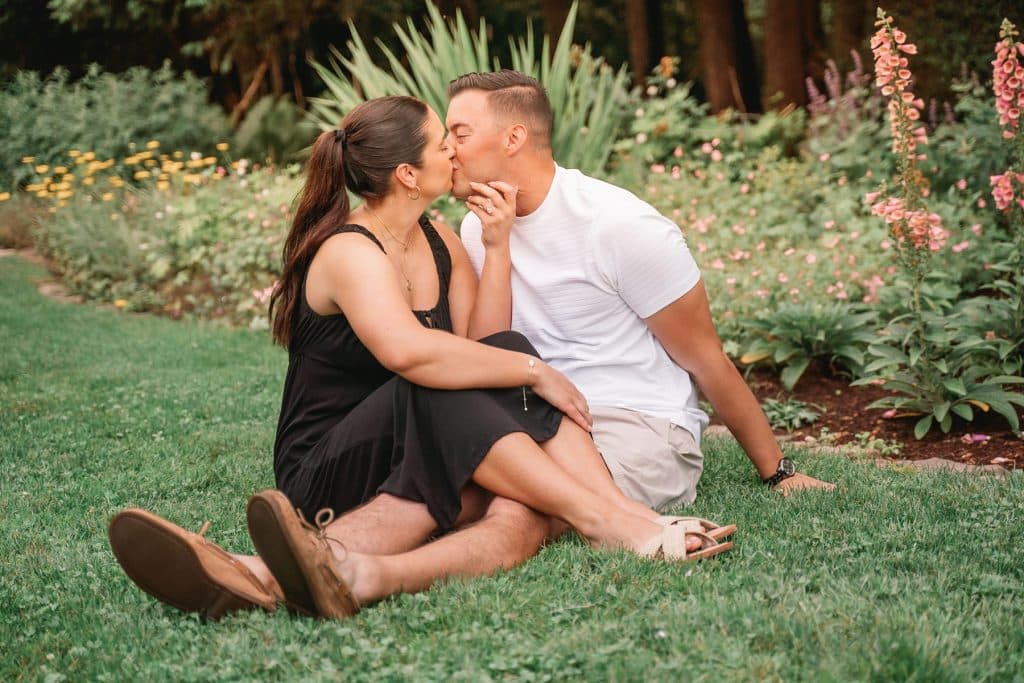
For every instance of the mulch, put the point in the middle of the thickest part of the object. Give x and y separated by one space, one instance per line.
845 415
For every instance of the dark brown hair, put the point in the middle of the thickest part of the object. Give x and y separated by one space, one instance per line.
512 94
372 141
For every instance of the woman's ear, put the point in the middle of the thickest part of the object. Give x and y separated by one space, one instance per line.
405 175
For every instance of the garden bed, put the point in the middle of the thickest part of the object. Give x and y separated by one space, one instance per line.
847 419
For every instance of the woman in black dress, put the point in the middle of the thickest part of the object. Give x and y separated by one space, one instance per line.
384 394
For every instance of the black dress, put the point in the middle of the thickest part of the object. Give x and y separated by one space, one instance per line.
350 428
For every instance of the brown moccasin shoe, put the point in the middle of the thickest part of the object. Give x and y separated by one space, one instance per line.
182 568
299 557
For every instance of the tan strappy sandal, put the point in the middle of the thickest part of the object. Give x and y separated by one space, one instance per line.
182 568
299 557
713 530
671 543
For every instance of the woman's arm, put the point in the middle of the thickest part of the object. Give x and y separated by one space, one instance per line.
492 311
361 282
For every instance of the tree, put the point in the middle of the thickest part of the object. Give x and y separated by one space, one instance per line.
726 56
792 50
646 37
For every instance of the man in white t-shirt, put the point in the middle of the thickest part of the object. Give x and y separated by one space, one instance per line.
606 290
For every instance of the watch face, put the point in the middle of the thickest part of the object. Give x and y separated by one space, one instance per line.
787 467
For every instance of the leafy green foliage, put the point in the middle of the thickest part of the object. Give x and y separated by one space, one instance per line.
111 115
210 250
274 129
586 95
797 334
789 414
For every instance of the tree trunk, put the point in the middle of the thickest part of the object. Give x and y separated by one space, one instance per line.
848 30
646 36
792 50
555 13
726 56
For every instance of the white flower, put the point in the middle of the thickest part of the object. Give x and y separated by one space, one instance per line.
639 113
652 90
641 138
670 83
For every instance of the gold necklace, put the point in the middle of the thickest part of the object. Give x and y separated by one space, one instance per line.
405 247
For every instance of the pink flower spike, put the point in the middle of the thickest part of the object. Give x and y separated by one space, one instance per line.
974 438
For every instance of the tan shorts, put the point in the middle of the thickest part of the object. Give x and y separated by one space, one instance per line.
651 459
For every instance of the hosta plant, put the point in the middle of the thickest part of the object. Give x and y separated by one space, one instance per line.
796 334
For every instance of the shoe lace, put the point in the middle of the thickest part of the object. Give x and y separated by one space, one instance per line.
323 519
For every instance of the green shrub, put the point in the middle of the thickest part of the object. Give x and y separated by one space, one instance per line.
112 115
273 129
210 251
834 335
586 95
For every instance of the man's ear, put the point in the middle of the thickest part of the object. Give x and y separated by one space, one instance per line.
516 138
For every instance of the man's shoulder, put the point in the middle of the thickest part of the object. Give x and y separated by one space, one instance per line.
611 201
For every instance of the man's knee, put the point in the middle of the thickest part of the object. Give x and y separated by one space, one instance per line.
526 526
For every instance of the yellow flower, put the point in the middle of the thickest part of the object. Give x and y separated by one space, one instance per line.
194 163
152 144
193 178
62 203
163 185
149 163
141 175
120 303
42 168
4 196
42 194
107 196
88 181
89 156
178 154
59 170
223 146
209 161
74 153
28 160
65 194
144 155
68 178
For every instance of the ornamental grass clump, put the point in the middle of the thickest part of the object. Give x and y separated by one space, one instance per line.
935 369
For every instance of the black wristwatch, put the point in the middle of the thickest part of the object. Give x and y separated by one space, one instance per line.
787 468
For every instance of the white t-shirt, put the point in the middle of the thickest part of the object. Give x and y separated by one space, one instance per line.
588 266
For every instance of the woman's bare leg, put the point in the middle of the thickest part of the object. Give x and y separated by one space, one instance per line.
575 451
517 468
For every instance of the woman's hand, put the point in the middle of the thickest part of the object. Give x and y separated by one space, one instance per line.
556 389
494 204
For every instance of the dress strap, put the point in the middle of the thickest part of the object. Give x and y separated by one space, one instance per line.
352 227
442 258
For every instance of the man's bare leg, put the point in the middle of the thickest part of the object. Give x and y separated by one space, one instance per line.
509 534
385 525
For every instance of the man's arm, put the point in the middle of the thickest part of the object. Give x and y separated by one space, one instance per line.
685 329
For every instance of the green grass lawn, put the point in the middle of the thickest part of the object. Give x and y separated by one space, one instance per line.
898 576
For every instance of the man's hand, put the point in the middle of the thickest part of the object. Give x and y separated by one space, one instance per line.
799 482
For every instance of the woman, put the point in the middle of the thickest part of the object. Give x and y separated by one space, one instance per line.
384 394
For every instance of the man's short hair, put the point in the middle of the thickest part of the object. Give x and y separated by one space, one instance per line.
512 94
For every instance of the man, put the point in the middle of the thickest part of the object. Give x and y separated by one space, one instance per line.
606 290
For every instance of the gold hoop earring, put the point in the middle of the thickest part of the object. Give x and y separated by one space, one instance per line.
410 195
